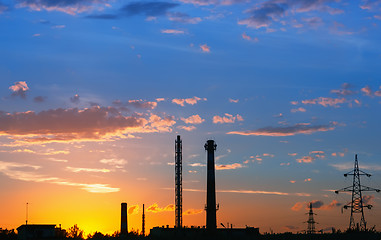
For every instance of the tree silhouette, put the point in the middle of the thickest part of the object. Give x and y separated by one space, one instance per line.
75 232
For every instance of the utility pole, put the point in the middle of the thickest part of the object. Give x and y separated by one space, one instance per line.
311 222
357 205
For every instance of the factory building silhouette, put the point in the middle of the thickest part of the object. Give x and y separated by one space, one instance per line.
210 231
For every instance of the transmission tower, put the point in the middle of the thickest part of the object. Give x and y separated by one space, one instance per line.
143 223
311 222
357 205
178 183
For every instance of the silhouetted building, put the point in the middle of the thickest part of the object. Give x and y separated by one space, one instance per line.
40 232
123 221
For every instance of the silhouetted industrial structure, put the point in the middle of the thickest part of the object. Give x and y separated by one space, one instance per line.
311 222
211 209
357 204
123 221
143 223
178 183
40 232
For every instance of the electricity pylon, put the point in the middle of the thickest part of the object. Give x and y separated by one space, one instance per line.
357 205
311 222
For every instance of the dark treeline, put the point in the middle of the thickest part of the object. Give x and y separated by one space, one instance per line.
75 232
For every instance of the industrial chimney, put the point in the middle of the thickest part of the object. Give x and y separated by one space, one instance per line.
211 221
123 221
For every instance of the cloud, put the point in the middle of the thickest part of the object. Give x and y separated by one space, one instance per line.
73 124
349 166
192 211
300 109
197 165
139 104
367 91
305 159
344 91
266 12
172 31
229 166
39 99
190 101
19 89
205 48
77 170
292 154
133 210
75 99
248 38
194 119
26 172
151 9
286 131
118 163
233 100
325 101
154 208
183 18
317 204
308 180
71 7
265 192
49 152
187 128
228 118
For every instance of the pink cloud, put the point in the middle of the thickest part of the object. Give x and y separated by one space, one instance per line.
292 154
229 166
308 180
133 210
190 101
233 100
228 118
367 91
187 128
286 131
172 31
68 7
205 48
194 119
19 89
294 110
305 159
325 101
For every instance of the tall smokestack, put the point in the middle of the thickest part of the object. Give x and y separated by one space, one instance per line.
178 183
211 221
123 221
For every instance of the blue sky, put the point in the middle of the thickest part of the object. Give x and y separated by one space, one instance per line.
93 94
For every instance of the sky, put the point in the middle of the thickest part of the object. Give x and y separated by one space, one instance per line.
94 92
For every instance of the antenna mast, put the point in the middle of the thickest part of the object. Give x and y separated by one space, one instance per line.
26 219
143 222
357 205
178 183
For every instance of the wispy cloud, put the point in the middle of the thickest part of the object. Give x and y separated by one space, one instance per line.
172 31
300 109
317 204
66 6
27 172
187 128
286 131
192 211
154 208
305 159
346 90
325 101
77 170
229 166
248 38
349 165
